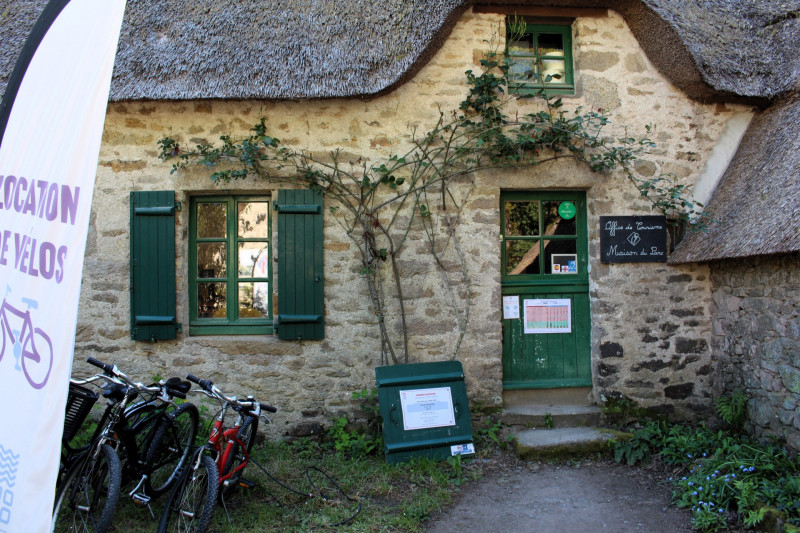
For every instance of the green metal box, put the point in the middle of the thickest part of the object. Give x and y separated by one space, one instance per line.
425 410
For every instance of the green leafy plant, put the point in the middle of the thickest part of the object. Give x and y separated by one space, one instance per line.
548 421
733 410
458 471
721 474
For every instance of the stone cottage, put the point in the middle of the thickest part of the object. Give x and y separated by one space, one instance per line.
260 285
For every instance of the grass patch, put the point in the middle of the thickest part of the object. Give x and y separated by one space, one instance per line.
362 486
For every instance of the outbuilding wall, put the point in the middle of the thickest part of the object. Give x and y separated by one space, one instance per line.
756 340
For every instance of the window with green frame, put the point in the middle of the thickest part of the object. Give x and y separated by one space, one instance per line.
230 275
541 58
543 236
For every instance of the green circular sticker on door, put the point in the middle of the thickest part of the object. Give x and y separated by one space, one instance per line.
566 210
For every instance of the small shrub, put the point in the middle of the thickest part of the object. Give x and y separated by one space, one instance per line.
723 474
733 410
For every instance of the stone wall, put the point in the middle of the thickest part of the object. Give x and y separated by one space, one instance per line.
650 322
756 340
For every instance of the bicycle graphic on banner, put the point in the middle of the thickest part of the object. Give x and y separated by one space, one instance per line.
33 350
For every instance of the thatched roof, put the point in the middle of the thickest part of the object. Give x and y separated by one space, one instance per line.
728 50
756 206
275 49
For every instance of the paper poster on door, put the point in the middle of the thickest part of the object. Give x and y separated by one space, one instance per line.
427 408
510 307
548 316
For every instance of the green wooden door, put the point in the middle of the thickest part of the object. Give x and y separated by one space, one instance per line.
545 286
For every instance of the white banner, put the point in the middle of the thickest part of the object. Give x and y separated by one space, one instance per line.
48 162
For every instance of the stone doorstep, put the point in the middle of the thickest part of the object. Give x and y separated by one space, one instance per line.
565 442
562 416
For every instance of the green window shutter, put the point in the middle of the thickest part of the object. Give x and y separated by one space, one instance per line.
153 315
300 270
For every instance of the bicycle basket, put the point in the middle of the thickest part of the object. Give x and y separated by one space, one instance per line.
79 403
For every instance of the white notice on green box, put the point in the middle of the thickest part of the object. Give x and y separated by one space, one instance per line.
427 408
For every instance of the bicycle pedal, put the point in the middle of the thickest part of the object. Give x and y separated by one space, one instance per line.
246 483
141 499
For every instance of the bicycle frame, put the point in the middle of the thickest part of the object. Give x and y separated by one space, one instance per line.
123 426
230 439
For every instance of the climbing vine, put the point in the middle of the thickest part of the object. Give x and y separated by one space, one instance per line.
379 204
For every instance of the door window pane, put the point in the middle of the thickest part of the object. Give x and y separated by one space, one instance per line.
553 223
211 220
522 257
253 223
558 247
211 299
253 299
522 218
211 260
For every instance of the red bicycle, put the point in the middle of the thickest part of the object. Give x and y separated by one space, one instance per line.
216 468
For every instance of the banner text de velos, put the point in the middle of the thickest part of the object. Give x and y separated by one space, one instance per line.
44 200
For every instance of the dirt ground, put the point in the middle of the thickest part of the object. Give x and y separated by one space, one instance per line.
588 496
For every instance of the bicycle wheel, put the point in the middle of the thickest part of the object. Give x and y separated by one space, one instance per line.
170 448
191 503
86 499
246 434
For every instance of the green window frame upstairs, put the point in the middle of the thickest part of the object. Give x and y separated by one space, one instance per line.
540 57
230 267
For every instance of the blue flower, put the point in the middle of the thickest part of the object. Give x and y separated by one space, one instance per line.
694 493
690 483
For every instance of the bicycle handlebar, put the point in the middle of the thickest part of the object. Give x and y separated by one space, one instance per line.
112 371
108 369
246 405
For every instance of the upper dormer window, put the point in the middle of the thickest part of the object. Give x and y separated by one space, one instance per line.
540 57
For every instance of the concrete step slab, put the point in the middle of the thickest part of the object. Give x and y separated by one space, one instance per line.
565 442
560 416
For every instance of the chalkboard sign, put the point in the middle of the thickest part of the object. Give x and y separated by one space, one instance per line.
633 239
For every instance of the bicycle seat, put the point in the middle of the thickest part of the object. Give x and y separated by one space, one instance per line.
179 385
32 304
115 392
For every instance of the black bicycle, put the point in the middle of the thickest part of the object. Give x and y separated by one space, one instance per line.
145 442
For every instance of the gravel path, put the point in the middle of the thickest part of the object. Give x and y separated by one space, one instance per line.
587 497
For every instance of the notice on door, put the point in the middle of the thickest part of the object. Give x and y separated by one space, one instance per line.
548 316
510 307
427 408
